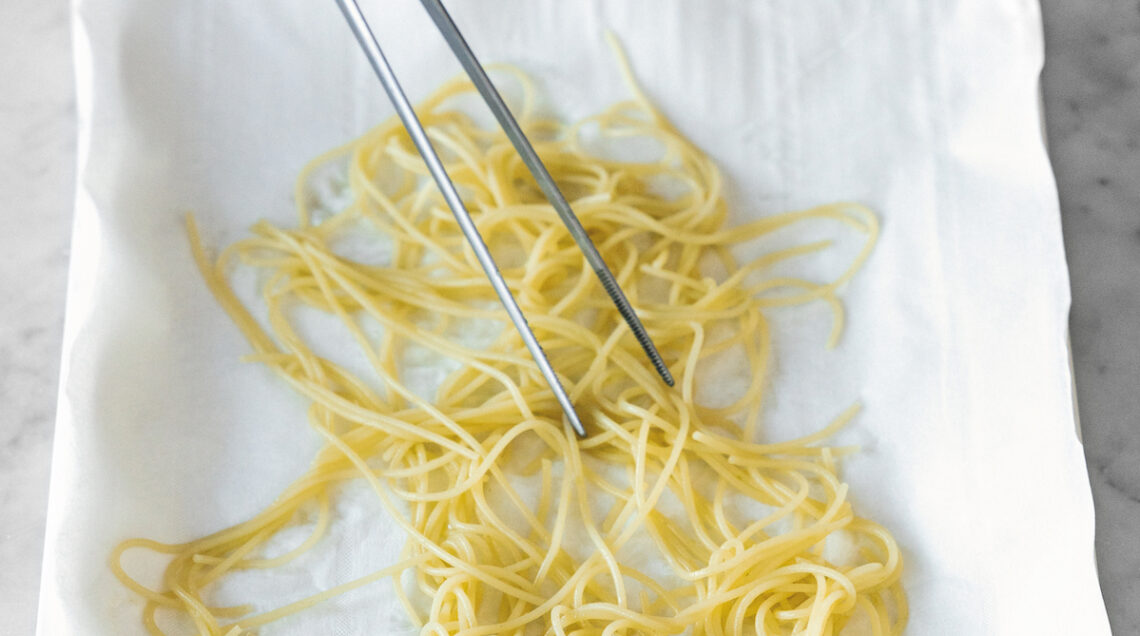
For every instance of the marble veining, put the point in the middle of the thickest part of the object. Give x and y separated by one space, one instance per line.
1092 95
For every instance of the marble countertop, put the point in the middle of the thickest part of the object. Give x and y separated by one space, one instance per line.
1092 99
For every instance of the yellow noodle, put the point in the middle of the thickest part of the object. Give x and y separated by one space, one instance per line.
672 517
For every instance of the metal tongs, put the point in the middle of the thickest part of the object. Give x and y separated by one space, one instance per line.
511 127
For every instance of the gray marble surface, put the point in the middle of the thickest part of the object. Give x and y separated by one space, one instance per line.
1092 106
37 167
1092 99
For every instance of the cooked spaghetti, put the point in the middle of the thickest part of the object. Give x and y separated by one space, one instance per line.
673 516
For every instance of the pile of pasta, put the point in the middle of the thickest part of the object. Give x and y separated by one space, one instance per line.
670 517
